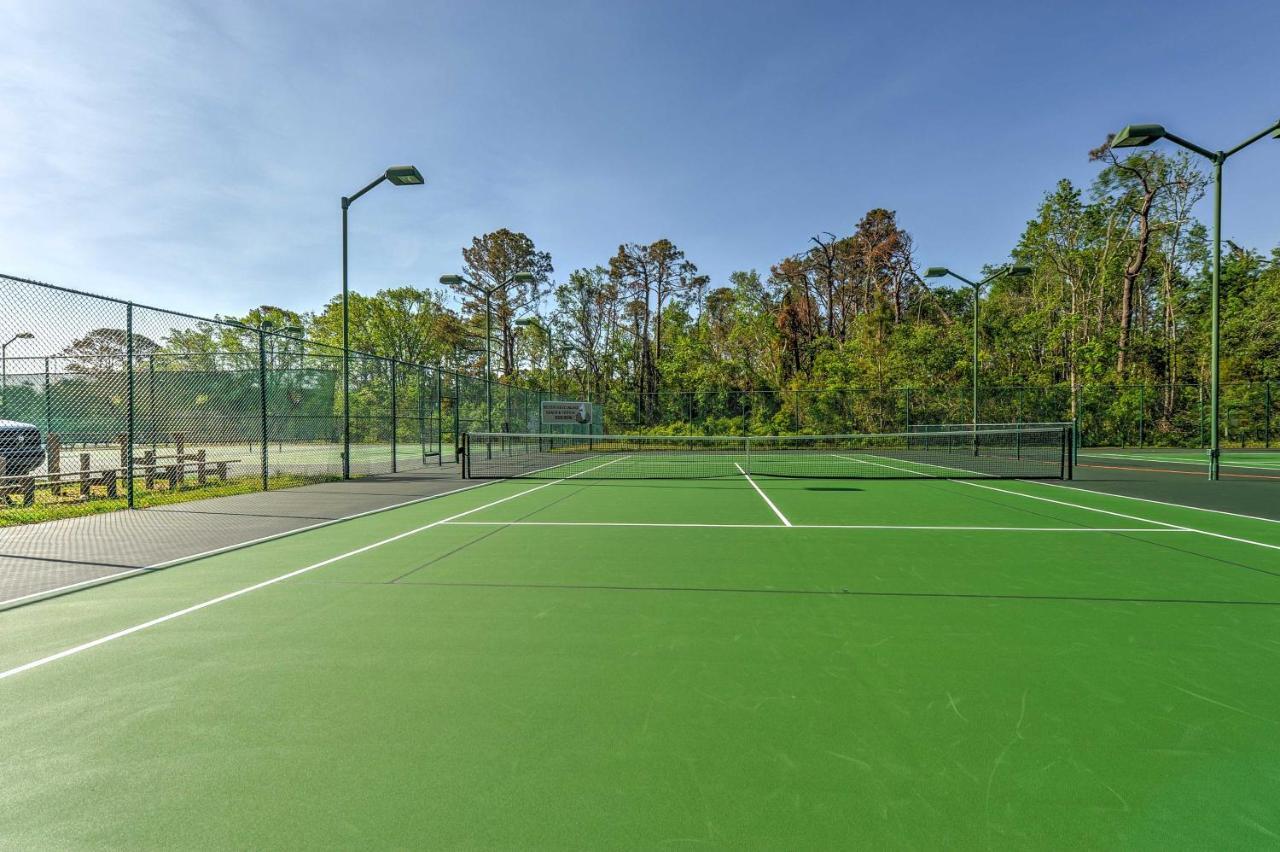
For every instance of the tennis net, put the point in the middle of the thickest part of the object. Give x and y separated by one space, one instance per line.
915 428
989 453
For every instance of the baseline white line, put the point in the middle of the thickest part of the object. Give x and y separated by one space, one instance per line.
129 631
1077 488
814 526
230 547
763 496
1122 515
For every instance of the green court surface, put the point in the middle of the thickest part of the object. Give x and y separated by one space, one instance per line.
777 663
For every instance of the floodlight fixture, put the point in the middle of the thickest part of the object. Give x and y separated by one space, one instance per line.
1138 136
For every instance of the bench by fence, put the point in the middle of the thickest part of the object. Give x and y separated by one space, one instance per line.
153 468
85 479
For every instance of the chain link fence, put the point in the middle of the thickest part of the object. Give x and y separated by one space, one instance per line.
108 404
105 404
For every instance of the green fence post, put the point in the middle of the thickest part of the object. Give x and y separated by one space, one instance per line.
1077 395
395 459
129 423
1266 414
457 414
424 418
1142 415
262 404
151 397
48 408
1266 417
440 417
1200 395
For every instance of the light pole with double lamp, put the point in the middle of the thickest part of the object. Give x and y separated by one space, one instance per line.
396 176
1141 135
1012 270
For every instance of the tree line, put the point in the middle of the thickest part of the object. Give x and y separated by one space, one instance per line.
1117 297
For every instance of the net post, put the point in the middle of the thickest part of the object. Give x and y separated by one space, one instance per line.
466 456
1067 462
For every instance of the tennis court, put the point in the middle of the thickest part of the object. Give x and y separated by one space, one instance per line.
1240 464
733 660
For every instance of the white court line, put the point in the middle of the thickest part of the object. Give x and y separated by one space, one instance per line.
1163 459
230 547
764 496
967 473
878 464
129 631
1265 464
69 586
262 540
1077 488
814 526
1122 515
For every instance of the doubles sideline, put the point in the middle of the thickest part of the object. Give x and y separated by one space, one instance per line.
170 563
763 496
1180 527
137 628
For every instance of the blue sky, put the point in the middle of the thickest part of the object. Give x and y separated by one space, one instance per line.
191 155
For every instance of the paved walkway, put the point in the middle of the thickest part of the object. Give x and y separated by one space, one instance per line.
38 560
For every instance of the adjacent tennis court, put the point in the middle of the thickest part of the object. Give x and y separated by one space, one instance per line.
1238 464
738 660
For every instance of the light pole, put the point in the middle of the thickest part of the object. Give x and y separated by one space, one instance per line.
397 176
569 349
4 369
534 322
457 280
1011 270
1140 135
